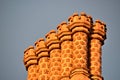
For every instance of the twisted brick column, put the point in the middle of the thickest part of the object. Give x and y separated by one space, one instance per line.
55 61
80 26
43 59
97 39
66 50
30 61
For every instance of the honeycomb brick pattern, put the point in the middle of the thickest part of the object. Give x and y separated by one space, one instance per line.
31 63
80 50
55 65
97 40
80 27
55 55
32 70
64 35
43 68
73 52
43 59
95 57
66 60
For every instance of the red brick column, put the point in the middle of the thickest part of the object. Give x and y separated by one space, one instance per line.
64 35
55 55
80 27
97 39
43 59
30 62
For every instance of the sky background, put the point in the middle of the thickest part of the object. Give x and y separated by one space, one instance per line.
22 22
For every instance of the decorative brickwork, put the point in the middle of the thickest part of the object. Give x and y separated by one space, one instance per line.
30 61
80 26
72 53
98 36
43 59
65 37
55 55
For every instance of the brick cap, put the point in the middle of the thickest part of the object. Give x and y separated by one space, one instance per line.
98 21
62 23
74 14
30 47
40 39
52 31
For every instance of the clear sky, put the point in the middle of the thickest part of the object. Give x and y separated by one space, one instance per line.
22 22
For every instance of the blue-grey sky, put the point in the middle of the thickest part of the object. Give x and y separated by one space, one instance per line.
22 22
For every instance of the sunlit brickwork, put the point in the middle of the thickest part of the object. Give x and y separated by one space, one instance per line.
72 52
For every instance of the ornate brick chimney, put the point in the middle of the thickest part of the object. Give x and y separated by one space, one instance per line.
30 62
64 34
98 35
80 27
53 44
73 52
43 59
